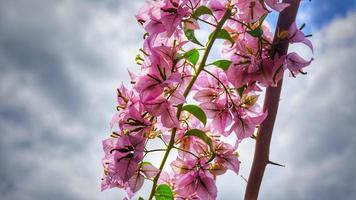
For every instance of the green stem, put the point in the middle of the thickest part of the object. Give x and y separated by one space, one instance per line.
197 157
154 150
185 94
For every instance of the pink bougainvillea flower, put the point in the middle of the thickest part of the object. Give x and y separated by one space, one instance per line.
149 16
238 76
163 108
208 87
162 16
159 89
107 182
136 181
161 76
169 118
191 24
122 156
297 36
168 46
206 95
191 179
219 112
246 54
206 80
125 99
295 63
248 63
270 72
149 170
206 187
134 184
247 117
226 157
277 5
157 106
133 123
250 10
217 6
172 14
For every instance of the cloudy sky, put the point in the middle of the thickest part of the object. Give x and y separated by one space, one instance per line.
61 60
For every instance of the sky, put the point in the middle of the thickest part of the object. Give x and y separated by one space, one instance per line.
62 60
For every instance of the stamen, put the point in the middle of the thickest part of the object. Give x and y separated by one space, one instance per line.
252 5
130 155
114 135
120 150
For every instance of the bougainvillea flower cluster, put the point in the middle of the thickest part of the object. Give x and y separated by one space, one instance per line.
199 110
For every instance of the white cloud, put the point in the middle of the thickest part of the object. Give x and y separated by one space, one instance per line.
47 151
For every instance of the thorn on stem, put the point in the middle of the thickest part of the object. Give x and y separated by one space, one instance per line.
277 164
254 136
244 178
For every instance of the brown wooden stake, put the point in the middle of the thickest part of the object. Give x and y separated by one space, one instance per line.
263 141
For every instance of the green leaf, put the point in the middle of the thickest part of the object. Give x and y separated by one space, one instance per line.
196 111
141 198
202 10
201 135
256 32
164 192
189 33
222 34
223 64
192 56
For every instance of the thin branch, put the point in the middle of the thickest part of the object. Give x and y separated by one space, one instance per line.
240 22
154 150
211 24
164 142
223 85
186 152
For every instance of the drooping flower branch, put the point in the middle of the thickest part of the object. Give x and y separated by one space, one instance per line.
223 94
